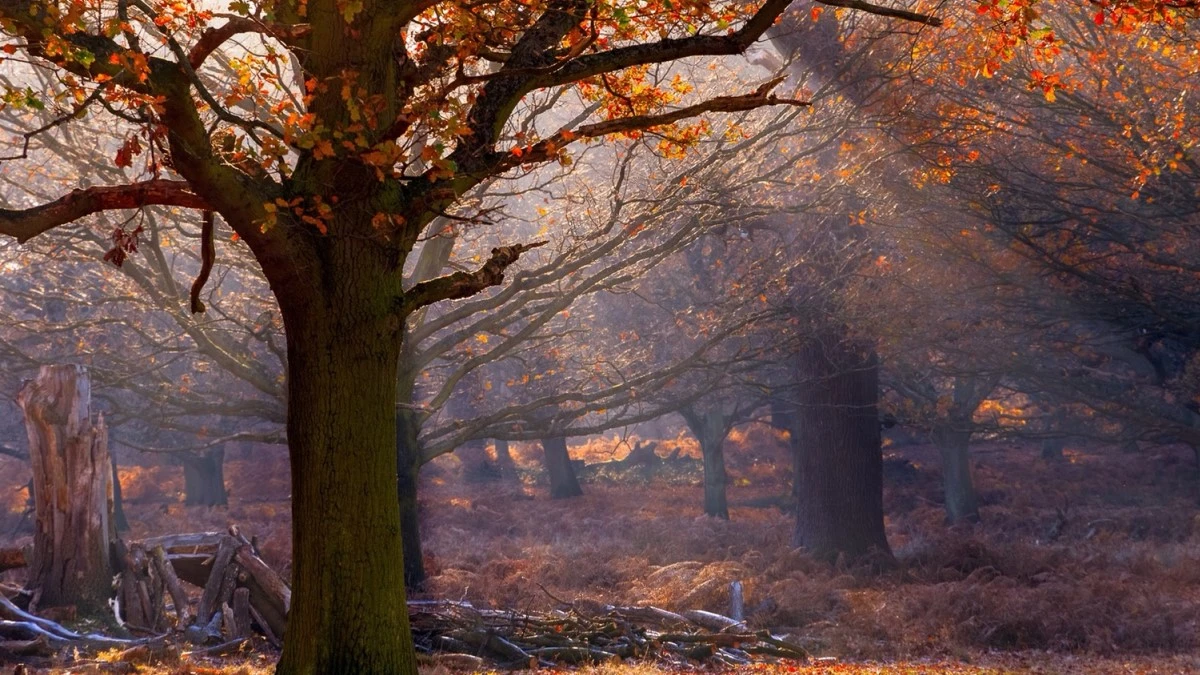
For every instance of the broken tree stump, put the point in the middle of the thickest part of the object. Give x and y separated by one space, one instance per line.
72 491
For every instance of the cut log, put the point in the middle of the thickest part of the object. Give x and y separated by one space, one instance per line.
210 599
178 598
38 646
72 490
241 612
268 593
712 621
191 542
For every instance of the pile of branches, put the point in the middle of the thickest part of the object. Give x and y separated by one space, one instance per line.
580 636
233 596
240 596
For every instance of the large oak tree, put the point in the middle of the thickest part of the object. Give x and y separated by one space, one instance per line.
367 120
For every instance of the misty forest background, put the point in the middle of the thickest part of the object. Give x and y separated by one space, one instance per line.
917 363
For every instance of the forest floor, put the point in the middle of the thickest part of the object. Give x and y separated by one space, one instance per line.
1086 565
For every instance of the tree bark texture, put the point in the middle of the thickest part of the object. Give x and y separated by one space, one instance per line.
348 612
408 458
710 429
563 482
840 469
204 478
72 489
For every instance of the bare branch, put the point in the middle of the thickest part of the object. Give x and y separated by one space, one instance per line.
208 254
545 150
25 224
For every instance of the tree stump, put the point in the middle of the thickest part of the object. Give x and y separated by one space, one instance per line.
72 491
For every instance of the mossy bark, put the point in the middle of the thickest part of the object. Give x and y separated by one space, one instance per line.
348 613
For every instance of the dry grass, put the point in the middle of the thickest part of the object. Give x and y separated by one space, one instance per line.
1118 590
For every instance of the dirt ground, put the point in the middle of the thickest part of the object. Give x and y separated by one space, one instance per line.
1089 565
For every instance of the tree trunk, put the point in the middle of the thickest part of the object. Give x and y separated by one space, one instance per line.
204 477
840 469
962 504
710 430
563 482
476 466
348 612
784 416
505 462
72 488
1053 445
408 461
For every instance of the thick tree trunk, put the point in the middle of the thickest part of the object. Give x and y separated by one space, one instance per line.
962 504
710 430
204 478
563 482
840 469
348 612
408 461
72 489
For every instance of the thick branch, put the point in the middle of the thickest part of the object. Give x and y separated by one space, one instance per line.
24 224
212 38
884 11
670 49
465 284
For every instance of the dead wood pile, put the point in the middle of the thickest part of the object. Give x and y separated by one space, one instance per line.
240 596
591 635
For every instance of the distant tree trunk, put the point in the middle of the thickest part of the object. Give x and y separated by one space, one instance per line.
504 461
563 482
840 472
961 501
476 465
710 429
204 477
1056 440
121 522
408 462
952 436
72 487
